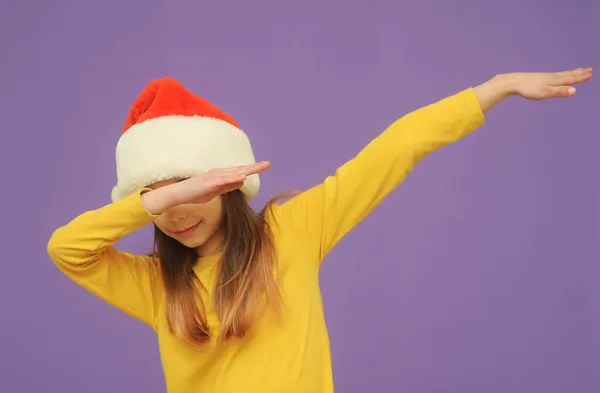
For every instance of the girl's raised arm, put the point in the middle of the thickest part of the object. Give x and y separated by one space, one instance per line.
322 215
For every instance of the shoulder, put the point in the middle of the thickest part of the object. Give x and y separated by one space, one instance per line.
294 225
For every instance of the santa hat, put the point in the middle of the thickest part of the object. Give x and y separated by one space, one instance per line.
172 133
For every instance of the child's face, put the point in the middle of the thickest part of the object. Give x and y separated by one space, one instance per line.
195 225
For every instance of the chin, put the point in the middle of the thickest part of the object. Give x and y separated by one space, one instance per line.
190 243
194 241
197 240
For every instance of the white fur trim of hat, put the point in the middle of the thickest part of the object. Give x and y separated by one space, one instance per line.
171 133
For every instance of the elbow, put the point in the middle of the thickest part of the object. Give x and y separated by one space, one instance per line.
68 253
60 252
56 248
53 246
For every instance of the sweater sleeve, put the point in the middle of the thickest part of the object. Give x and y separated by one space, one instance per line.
324 214
84 251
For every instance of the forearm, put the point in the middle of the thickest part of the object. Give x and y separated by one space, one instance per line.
82 240
159 200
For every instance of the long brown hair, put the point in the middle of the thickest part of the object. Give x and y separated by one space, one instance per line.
246 279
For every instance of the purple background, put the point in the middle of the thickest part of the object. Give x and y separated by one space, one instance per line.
478 275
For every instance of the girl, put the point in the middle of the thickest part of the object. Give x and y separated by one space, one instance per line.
233 295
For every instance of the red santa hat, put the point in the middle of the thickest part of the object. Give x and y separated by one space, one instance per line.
171 133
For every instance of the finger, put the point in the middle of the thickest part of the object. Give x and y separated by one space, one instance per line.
258 167
573 77
253 168
223 173
231 187
248 169
232 178
216 180
561 91
222 176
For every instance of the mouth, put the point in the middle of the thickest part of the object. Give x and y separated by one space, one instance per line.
187 231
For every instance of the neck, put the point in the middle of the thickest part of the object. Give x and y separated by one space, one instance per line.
212 245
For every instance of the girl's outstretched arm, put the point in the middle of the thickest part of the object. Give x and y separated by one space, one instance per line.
321 216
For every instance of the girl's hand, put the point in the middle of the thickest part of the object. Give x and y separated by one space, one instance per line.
200 188
541 86
532 86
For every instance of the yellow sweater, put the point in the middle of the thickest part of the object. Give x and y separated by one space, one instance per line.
280 355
